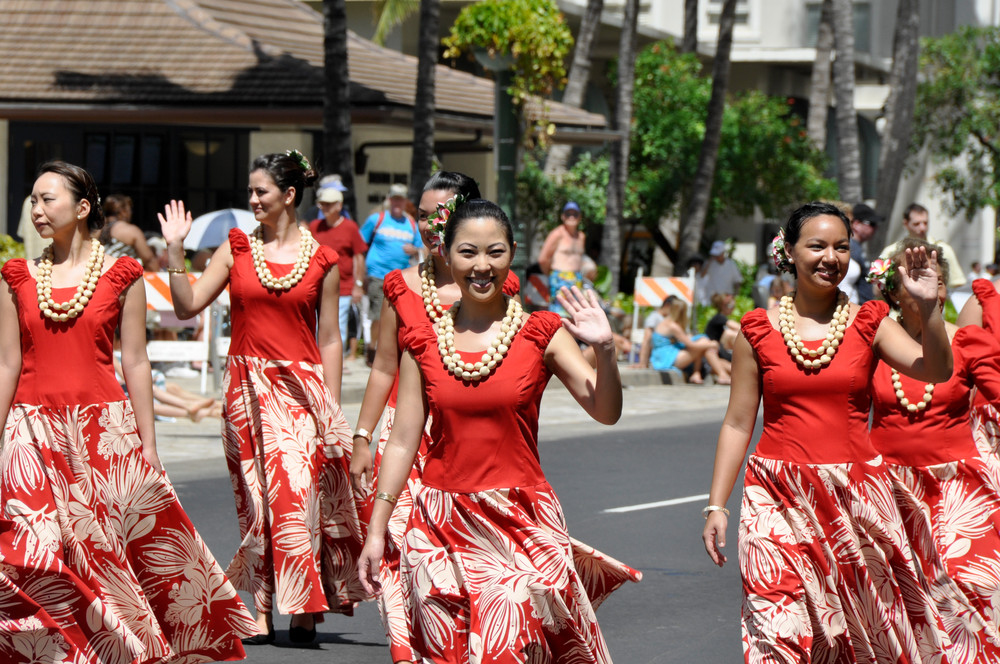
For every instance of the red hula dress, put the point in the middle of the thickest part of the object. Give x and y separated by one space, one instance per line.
288 446
487 565
98 561
601 574
985 416
948 494
827 571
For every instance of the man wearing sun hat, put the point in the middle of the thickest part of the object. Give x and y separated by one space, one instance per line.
342 235
719 274
562 254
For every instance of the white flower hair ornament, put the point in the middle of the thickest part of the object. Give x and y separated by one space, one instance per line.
439 218
778 253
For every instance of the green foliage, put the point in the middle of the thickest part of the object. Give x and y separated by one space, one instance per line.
765 161
958 103
542 198
389 14
10 248
532 32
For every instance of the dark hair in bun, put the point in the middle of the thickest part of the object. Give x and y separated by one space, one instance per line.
81 184
287 169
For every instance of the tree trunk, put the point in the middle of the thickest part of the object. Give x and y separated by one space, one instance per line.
899 109
337 153
690 42
579 77
693 219
848 150
423 107
611 240
819 91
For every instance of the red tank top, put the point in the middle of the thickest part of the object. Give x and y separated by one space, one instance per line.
941 432
485 434
275 325
69 363
816 415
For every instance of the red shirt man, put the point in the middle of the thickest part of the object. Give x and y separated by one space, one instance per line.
341 235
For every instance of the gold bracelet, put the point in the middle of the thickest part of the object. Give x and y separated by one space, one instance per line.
363 433
714 508
176 270
387 497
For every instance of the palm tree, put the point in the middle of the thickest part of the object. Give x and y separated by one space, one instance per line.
611 240
693 219
422 157
337 155
848 151
579 77
690 42
899 109
819 91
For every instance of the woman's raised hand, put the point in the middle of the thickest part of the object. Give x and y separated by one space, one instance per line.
919 275
175 223
588 322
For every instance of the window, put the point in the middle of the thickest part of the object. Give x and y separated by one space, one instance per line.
862 25
746 25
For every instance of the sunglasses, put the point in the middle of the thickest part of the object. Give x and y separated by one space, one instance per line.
571 213
867 222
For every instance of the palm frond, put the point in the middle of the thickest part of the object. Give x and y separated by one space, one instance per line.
391 13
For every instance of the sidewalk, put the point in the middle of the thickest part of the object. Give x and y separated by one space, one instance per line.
645 395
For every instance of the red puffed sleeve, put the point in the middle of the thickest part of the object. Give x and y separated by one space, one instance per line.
869 317
123 273
239 243
979 351
540 327
15 272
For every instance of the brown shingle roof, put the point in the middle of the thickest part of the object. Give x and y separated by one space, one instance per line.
261 53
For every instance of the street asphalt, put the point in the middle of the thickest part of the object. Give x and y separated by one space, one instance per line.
652 470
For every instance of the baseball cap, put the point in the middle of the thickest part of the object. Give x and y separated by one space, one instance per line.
571 206
329 195
718 248
866 215
397 191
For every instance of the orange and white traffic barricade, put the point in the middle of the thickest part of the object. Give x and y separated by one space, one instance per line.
535 292
158 300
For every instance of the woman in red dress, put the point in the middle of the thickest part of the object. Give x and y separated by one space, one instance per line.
287 442
828 575
948 494
983 310
486 559
408 293
98 561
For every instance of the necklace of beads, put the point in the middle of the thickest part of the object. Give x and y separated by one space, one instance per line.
301 262
897 385
476 371
63 311
428 289
813 359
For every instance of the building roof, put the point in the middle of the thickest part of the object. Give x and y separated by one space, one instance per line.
171 54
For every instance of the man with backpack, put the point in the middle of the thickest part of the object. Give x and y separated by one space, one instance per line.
392 238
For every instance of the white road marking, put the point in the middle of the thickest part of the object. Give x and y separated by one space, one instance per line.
661 503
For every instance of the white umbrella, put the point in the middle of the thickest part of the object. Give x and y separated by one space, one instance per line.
212 228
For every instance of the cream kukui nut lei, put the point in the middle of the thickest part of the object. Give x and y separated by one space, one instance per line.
813 359
63 311
301 262
897 386
476 371
428 289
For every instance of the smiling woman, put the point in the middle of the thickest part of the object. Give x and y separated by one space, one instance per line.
287 442
827 571
478 375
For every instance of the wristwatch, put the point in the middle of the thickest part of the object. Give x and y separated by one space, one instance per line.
358 282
